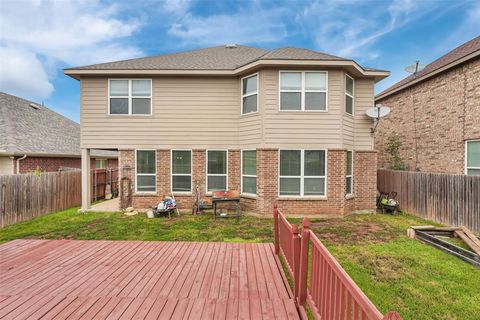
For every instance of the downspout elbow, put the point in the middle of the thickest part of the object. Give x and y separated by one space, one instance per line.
18 162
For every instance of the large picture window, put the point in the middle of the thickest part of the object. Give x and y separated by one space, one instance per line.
217 170
249 171
146 170
472 154
181 171
250 94
130 97
303 173
349 174
303 91
349 94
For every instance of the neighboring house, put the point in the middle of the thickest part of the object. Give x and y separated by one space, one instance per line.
34 137
285 126
436 115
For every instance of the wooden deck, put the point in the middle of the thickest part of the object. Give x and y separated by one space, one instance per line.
72 279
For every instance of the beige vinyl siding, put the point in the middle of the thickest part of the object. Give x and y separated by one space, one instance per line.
6 165
289 129
194 112
188 112
364 99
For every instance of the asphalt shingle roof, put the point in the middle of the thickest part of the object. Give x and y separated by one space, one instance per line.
452 56
24 129
214 58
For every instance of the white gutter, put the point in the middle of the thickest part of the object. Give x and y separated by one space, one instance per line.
18 162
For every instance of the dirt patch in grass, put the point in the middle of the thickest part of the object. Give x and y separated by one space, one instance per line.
344 231
384 268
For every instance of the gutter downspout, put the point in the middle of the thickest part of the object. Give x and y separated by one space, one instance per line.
18 162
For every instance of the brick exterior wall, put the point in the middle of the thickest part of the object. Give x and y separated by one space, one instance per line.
52 164
267 183
433 119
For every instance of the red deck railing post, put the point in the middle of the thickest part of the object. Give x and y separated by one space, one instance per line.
275 229
303 272
296 246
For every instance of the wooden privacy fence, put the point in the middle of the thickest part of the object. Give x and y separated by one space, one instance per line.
319 280
26 196
444 198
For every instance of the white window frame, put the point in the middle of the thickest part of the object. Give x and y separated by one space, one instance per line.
349 175
181 174
349 95
102 161
302 174
247 175
302 91
145 174
215 174
466 155
130 97
249 94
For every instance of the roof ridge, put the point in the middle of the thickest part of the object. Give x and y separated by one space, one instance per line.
426 71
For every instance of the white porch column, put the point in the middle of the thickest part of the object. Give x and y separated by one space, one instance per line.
86 181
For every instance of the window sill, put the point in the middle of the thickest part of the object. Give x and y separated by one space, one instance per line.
300 198
350 196
249 196
145 194
182 194
349 114
303 111
129 115
250 114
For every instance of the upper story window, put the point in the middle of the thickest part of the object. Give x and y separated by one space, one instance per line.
250 94
349 92
303 91
131 97
472 153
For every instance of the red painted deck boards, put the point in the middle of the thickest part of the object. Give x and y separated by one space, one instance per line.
69 279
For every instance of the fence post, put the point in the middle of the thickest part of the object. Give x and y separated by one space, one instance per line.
296 246
275 231
303 272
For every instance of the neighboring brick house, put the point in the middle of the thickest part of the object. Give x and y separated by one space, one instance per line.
285 126
436 115
34 137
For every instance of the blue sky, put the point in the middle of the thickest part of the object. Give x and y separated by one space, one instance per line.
40 38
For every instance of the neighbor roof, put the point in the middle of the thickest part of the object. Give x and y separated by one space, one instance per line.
29 128
214 58
458 55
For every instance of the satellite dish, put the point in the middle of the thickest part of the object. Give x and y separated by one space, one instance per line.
414 68
378 112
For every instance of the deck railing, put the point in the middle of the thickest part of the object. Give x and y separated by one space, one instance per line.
319 280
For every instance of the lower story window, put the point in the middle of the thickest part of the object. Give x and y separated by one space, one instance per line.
146 170
349 174
473 158
216 170
181 171
249 171
302 173
100 163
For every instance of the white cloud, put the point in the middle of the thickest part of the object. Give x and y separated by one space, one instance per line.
251 25
350 28
46 34
21 69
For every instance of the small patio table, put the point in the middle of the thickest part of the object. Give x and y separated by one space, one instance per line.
232 196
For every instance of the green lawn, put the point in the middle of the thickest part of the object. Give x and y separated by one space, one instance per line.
395 272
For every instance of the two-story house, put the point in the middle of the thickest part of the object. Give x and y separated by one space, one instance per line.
285 126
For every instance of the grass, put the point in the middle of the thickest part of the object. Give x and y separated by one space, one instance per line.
395 272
